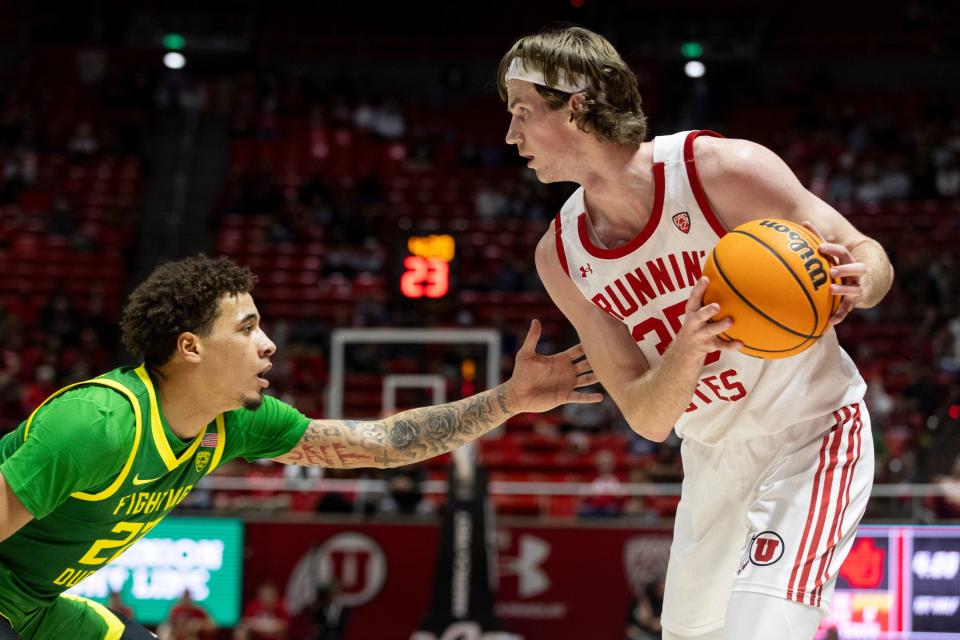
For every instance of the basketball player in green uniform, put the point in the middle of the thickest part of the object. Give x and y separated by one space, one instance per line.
100 463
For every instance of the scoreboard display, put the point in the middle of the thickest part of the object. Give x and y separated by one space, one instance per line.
426 266
899 582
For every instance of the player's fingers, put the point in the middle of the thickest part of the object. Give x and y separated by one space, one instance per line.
695 300
837 251
846 289
812 229
842 311
706 312
586 379
584 398
575 352
533 337
718 327
729 345
850 270
582 367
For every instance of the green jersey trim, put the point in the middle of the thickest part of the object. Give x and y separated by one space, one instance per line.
115 626
156 427
221 443
116 386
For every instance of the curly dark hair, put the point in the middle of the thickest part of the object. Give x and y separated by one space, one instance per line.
179 296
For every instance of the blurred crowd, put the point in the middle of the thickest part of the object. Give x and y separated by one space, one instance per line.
883 162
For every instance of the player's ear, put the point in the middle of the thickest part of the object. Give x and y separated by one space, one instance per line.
576 103
188 347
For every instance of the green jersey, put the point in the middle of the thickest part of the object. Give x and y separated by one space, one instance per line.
98 467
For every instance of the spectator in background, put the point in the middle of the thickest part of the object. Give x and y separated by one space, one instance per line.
19 172
490 202
329 615
187 621
58 317
265 617
509 276
643 508
643 617
602 417
404 494
666 466
61 219
947 506
606 492
42 387
336 501
83 143
116 604
948 176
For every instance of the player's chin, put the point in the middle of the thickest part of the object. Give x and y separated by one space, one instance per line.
544 176
252 402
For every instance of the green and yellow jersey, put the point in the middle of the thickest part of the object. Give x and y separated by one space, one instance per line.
98 467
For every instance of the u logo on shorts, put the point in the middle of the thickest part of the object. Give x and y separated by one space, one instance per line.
766 548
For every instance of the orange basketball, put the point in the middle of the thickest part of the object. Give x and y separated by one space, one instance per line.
769 276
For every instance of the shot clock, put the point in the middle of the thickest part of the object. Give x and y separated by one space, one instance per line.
426 266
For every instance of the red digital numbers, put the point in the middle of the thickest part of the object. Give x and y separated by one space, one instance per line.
425 277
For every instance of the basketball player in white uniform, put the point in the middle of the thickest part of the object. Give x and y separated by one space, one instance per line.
777 454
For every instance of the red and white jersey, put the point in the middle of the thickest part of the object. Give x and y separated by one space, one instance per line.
645 284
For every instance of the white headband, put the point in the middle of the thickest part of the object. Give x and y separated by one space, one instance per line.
566 82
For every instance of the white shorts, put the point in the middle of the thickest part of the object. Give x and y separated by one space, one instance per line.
773 514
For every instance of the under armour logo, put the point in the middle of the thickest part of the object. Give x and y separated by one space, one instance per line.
528 566
585 269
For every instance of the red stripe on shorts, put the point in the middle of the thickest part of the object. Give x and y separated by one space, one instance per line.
851 464
824 507
810 512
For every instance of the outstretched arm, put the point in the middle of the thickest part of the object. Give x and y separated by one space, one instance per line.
539 383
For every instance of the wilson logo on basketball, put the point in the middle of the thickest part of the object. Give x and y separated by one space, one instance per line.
766 548
682 221
813 265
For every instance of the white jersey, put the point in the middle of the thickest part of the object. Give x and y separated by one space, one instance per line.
645 285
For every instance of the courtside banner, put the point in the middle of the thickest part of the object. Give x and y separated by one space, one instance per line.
552 582
574 582
202 555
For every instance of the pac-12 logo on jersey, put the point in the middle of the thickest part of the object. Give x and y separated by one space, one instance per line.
682 221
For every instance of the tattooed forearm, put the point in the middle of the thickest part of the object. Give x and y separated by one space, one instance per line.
403 434
344 444
407 437
502 399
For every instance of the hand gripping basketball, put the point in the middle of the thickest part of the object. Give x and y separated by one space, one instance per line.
847 269
700 335
770 277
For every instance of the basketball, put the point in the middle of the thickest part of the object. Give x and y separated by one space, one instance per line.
769 276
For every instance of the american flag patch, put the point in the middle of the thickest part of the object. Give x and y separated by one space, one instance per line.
209 439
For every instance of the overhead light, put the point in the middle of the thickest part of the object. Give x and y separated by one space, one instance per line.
174 41
691 49
694 69
174 60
